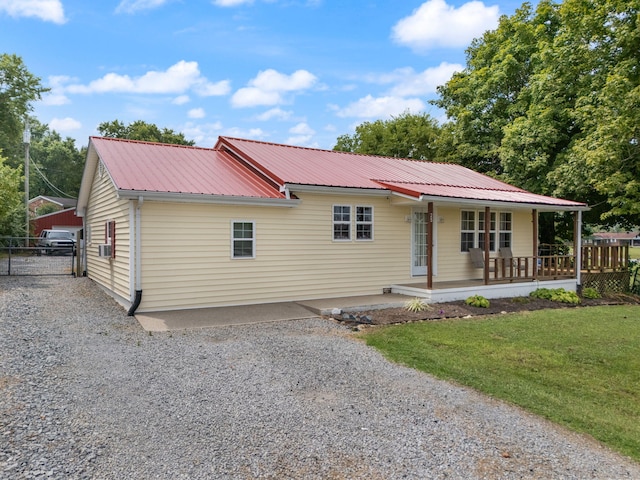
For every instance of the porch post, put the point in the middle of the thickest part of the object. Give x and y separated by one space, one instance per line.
487 239
577 245
534 220
429 245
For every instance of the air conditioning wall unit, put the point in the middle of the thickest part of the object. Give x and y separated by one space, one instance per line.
104 250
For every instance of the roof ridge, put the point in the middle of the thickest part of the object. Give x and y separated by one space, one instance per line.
340 151
147 142
406 182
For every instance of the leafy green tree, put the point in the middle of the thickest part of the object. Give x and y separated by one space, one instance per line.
405 136
600 44
12 218
492 90
550 100
57 164
140 130
18 89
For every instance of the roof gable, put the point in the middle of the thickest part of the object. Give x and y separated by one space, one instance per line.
153 167
414 178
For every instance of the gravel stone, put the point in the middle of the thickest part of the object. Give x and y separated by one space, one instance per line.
85 393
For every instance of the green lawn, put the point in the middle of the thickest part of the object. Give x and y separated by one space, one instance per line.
634 252
579 367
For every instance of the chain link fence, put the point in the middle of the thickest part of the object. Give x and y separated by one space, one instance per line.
23 256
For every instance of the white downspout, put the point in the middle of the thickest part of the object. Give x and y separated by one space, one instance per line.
138 244
138 260
579 252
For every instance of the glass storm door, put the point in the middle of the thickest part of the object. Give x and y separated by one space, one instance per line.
419 243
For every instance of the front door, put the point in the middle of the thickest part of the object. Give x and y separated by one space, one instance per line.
419 258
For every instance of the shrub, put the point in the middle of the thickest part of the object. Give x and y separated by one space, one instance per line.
556 295
416 305
477 301
590 292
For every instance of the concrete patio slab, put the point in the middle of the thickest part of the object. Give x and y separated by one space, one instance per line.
269 312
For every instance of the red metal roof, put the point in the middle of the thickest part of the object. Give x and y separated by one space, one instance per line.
298 165
155 167
253 169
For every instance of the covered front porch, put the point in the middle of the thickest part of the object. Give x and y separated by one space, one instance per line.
508 277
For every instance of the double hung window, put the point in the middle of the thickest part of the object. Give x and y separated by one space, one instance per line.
243 240
343 220
505 229
473 226
364 223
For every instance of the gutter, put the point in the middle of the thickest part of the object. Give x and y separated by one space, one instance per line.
138 260
206 198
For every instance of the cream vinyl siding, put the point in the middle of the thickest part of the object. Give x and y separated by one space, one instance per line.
187 261
456 265
104 205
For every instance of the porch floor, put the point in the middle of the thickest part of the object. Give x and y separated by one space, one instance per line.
462 289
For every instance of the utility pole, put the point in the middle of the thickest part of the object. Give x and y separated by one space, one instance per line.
26 139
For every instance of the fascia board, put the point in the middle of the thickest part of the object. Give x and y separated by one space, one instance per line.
483 203
327 190
203 198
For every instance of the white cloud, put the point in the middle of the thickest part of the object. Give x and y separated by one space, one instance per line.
301 140
177 79
133 6
252 133
207 134
437 24
269 86
302 135
64 124
203 134
275 113
272 80
46 10
408 82
231 3
208 89
411 83
196 113
181 100
302 129
252 97
381 107
56 96
53 99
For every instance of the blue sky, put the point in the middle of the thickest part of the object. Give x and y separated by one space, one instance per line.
299 72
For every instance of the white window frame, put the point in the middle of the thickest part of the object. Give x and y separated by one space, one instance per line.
340 221
495 229
243 239
364 222
467 231
493 233
504 231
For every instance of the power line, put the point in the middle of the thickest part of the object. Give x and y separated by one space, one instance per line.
47 182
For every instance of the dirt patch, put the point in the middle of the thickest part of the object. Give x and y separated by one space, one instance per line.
459 309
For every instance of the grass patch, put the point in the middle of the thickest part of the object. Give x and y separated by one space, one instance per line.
634 252
577 367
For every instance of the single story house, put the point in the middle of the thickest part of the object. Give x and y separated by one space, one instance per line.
59 203
248 222
614 238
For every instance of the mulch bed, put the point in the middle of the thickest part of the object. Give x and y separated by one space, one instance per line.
459 309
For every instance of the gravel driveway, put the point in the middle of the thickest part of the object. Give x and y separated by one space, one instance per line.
86 393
